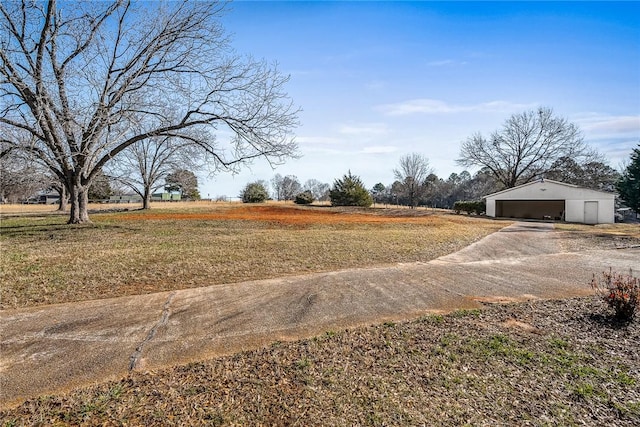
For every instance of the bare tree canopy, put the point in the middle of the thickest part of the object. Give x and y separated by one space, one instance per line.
412 175
319 190
592 174
286 188
143 167
525 148
20 178
80 82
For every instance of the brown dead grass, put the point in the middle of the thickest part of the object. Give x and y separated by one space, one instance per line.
46 261
581 237
622 229
538 363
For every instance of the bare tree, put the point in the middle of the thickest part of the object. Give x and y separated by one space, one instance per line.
287 187
412 175
525 148
144 166
276 183
594 174
81 82
319 190
20 168
62 191
20 178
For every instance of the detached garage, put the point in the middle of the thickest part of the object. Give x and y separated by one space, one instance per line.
545 199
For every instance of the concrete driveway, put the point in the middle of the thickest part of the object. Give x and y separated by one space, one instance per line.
54 348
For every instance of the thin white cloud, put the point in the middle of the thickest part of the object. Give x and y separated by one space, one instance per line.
607 125
375 85
379 149
323 150
317 140
364 129
445 63
613 136
435 106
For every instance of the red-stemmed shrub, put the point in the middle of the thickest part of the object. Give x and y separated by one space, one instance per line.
621 292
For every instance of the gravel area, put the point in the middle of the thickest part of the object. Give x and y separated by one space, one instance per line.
545 362
576 242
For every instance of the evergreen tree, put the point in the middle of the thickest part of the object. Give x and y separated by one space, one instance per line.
254 192
184 181
350 191
378 192
629 184
304 198
100 188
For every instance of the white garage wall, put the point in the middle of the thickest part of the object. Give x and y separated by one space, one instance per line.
575 210
574 198
491 207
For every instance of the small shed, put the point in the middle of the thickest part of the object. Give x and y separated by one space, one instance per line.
546 199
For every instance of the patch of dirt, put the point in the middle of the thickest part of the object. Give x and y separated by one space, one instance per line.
300 216
287 215
578 242
523 326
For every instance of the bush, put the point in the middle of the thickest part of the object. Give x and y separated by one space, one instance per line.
254 192
620 291
304 198
349 191
477 207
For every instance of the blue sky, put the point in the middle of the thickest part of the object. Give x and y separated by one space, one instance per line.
378 80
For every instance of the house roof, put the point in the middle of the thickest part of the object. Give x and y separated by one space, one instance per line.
544 181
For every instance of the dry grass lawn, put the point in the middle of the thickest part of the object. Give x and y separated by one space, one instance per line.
604 230
540 363
532 364
178 246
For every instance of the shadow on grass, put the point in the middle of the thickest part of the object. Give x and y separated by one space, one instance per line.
26 230
610 321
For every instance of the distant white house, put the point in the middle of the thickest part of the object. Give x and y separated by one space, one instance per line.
49 197
125 198
546 199
136 198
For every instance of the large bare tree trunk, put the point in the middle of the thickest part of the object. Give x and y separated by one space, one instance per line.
79 205
146 199
64 199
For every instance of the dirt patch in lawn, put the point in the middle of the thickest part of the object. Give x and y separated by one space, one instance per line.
46 261
301 216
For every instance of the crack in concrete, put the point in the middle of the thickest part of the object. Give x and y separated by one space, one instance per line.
135 357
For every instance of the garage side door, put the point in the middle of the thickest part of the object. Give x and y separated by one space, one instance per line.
590 212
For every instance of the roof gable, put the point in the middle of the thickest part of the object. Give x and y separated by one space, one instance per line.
552 190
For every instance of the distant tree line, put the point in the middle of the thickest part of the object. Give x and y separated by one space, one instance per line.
531 145
437 192
286 188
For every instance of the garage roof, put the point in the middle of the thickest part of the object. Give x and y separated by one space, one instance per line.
555 186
